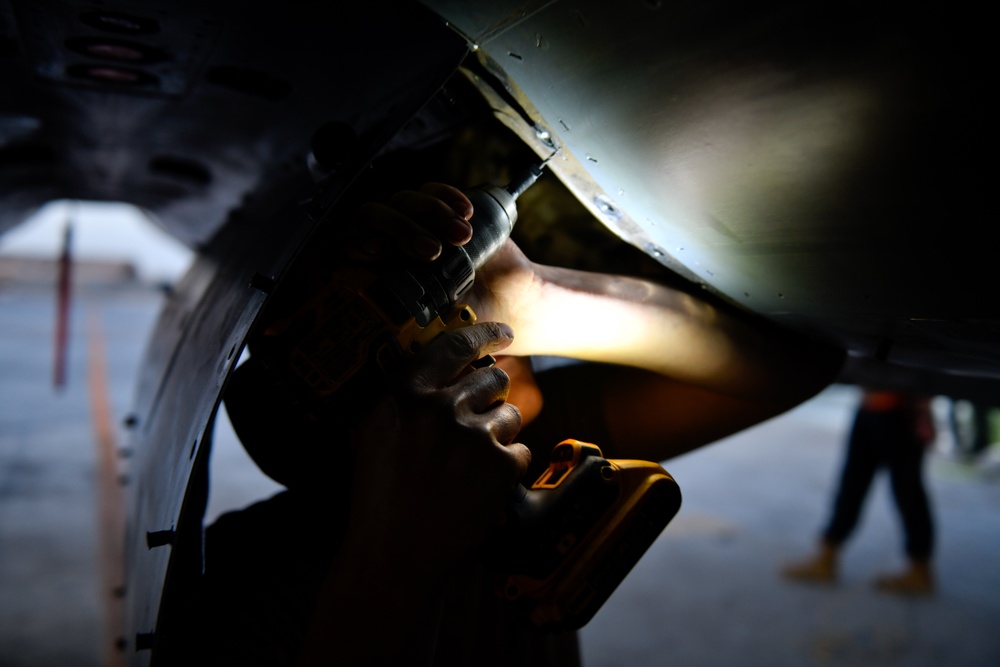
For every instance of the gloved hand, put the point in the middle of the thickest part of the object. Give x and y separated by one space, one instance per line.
435 459
415 223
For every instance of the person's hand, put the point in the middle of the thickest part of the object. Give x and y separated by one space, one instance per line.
414 223
435 464
524 390
507 289
436 459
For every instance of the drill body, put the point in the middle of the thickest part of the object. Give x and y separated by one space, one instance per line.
365 320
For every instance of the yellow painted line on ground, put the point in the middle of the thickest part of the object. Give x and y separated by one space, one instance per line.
111 515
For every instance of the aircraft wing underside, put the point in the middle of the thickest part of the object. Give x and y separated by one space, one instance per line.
816 164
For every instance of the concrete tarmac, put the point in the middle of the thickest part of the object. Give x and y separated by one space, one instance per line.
707 593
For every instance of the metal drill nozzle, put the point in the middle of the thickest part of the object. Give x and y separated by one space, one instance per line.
523 182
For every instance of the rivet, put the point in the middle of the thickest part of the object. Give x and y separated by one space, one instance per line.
607 207
543 135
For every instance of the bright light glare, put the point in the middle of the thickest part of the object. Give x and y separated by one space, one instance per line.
101 232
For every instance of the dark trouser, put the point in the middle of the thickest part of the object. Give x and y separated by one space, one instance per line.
884 439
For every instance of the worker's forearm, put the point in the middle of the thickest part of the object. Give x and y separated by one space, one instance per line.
633 322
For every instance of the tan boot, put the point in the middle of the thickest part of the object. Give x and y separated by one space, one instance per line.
918 579
820 568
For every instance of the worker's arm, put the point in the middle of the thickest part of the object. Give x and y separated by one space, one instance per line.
434 465
686 372
639 323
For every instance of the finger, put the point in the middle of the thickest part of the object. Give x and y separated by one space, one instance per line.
452 196
501 425
382 226
514 458
504 422
519 459
442 362
433 214
483 389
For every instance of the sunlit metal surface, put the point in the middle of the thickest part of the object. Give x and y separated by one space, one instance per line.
809 162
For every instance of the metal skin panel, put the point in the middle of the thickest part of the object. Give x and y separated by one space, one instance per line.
814 163
225 94
201 332
194 347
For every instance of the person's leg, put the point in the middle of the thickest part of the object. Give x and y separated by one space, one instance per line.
906 469
860 463
855 479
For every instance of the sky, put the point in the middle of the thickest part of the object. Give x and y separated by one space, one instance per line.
101 232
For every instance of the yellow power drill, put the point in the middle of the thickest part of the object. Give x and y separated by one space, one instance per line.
573 535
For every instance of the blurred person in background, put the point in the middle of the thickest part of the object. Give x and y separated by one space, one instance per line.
891 430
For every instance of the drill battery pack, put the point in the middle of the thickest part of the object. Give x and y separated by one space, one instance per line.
572 538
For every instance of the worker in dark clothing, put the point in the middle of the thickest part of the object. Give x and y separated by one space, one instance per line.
398 529
891 430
